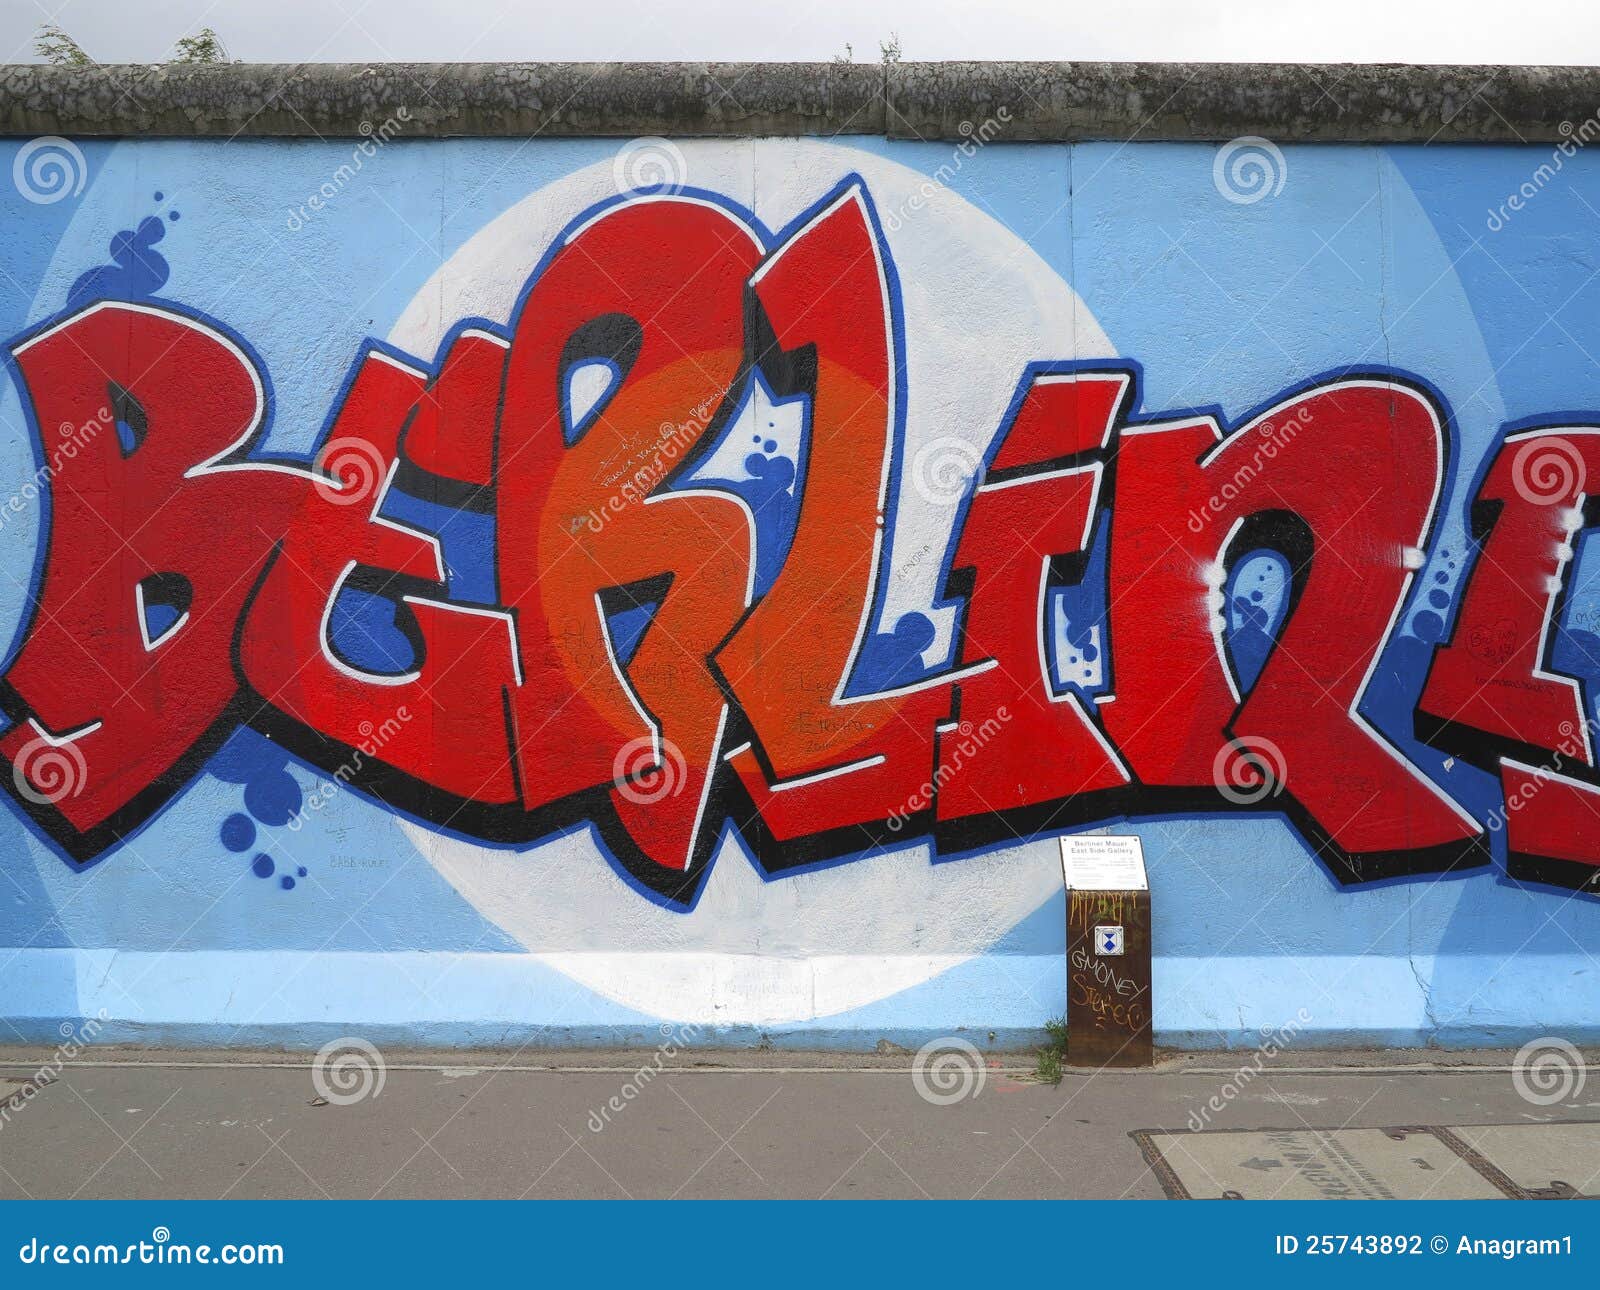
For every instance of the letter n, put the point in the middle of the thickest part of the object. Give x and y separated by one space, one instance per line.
1342 481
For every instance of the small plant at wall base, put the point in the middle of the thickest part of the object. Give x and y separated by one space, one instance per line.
1053 1054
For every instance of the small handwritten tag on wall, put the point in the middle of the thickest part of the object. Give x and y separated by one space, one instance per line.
1108 951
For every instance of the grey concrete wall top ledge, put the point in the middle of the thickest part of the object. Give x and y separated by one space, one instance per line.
1010 101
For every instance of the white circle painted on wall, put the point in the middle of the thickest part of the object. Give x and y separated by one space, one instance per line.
979 304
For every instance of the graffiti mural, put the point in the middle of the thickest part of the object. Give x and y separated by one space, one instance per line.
665 550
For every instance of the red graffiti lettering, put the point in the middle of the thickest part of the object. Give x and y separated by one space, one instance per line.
1030 515
612 650
1492 696
821 761
152 510
590 528
1343 479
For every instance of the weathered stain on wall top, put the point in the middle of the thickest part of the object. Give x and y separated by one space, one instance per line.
1048 101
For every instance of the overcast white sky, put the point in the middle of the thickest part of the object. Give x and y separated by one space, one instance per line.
1416 31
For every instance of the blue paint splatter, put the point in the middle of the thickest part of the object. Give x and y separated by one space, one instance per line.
364 633
1427 626
273 798
1079 623
775 502
892 659
1255 615
244 756
136 271
238 832
770 482
271 795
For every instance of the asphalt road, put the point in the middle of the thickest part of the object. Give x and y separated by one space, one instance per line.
151 1124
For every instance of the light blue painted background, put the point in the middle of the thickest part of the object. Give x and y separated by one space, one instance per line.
1367 256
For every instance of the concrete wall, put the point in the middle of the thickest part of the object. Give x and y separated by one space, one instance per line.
518 570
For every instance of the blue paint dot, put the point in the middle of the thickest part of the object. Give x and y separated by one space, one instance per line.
1438 599
273 797
771 445
1441 576
287 882
158 196
1090 653
262 866
174 216
245 756
1428 626
301 871
238 832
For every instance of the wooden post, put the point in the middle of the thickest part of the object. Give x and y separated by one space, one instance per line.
1109 1012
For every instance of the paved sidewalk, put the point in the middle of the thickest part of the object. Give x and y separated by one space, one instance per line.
155 1124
